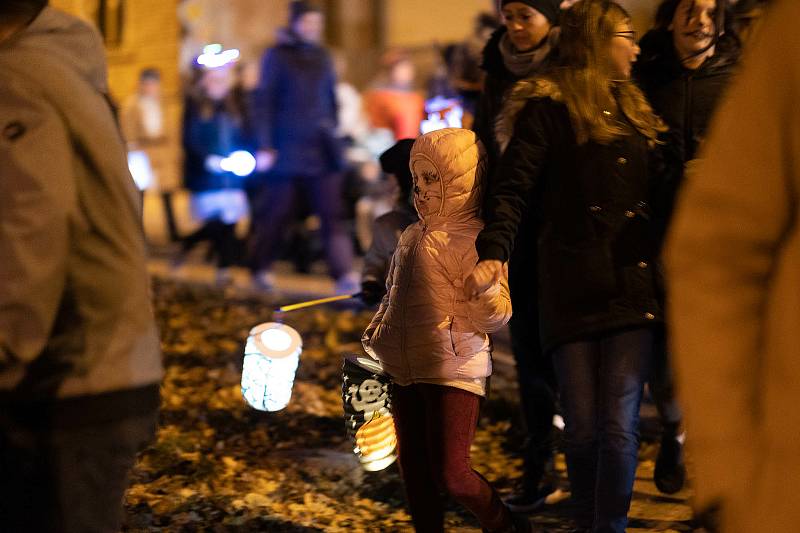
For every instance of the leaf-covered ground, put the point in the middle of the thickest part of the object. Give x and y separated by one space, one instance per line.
218 465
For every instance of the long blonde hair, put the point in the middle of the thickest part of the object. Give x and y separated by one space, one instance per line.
586 82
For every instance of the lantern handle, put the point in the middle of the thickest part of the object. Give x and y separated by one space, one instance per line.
313 303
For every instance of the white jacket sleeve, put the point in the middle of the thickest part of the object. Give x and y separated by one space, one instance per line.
37 199
492 310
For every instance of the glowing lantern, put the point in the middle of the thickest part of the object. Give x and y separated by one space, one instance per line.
367 412
240 162
271 356
142 172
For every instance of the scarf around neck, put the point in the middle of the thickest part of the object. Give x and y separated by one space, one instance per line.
525 64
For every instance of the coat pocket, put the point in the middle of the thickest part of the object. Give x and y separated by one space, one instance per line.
580 276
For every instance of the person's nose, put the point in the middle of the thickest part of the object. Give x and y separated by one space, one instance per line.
705 19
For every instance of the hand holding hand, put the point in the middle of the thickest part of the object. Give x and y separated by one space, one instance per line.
485 274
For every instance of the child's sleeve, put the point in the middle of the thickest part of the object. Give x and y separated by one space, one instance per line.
492 310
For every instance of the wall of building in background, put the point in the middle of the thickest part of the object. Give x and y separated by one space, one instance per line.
139 34
418 22
151 30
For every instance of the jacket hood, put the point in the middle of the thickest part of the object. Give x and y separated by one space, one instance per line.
518 96
658 57
64 39
449 168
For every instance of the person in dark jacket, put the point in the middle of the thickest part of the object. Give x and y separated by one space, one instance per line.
686 63
578 144
214 128
80 359
295 117
387 228
517 50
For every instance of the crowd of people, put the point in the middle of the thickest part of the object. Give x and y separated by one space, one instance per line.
595 158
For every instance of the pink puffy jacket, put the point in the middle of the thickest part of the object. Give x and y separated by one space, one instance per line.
425 327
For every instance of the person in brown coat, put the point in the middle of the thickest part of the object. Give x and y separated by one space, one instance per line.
733 261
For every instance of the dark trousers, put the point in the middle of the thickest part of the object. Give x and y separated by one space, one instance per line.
535 374
274 209
69 480
662 388
601 382
435 428
224 244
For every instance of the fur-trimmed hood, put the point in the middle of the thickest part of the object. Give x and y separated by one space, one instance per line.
516 99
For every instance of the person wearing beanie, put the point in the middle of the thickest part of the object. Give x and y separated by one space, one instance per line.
519 49
548 8
386 229
295 116
578 142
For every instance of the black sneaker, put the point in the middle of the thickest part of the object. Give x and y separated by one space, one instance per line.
529 500
670 472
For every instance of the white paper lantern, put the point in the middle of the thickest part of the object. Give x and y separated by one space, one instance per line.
271 356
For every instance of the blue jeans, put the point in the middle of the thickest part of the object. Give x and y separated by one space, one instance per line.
601 382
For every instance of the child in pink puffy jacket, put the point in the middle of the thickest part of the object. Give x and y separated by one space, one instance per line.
433 340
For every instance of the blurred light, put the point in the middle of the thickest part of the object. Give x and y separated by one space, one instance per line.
271 356
212 49
368 418
214 56
442 113
142 172
240 162
558 422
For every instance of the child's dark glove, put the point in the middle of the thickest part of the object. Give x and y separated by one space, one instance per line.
372 292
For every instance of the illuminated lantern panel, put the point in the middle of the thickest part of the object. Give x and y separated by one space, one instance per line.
367 412
271 356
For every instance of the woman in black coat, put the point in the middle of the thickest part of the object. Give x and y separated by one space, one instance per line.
578 143
520 49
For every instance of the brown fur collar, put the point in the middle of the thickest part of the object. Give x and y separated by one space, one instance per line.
515 100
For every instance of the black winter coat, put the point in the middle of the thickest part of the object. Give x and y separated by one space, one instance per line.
295 111
496 85
685 99
597 235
